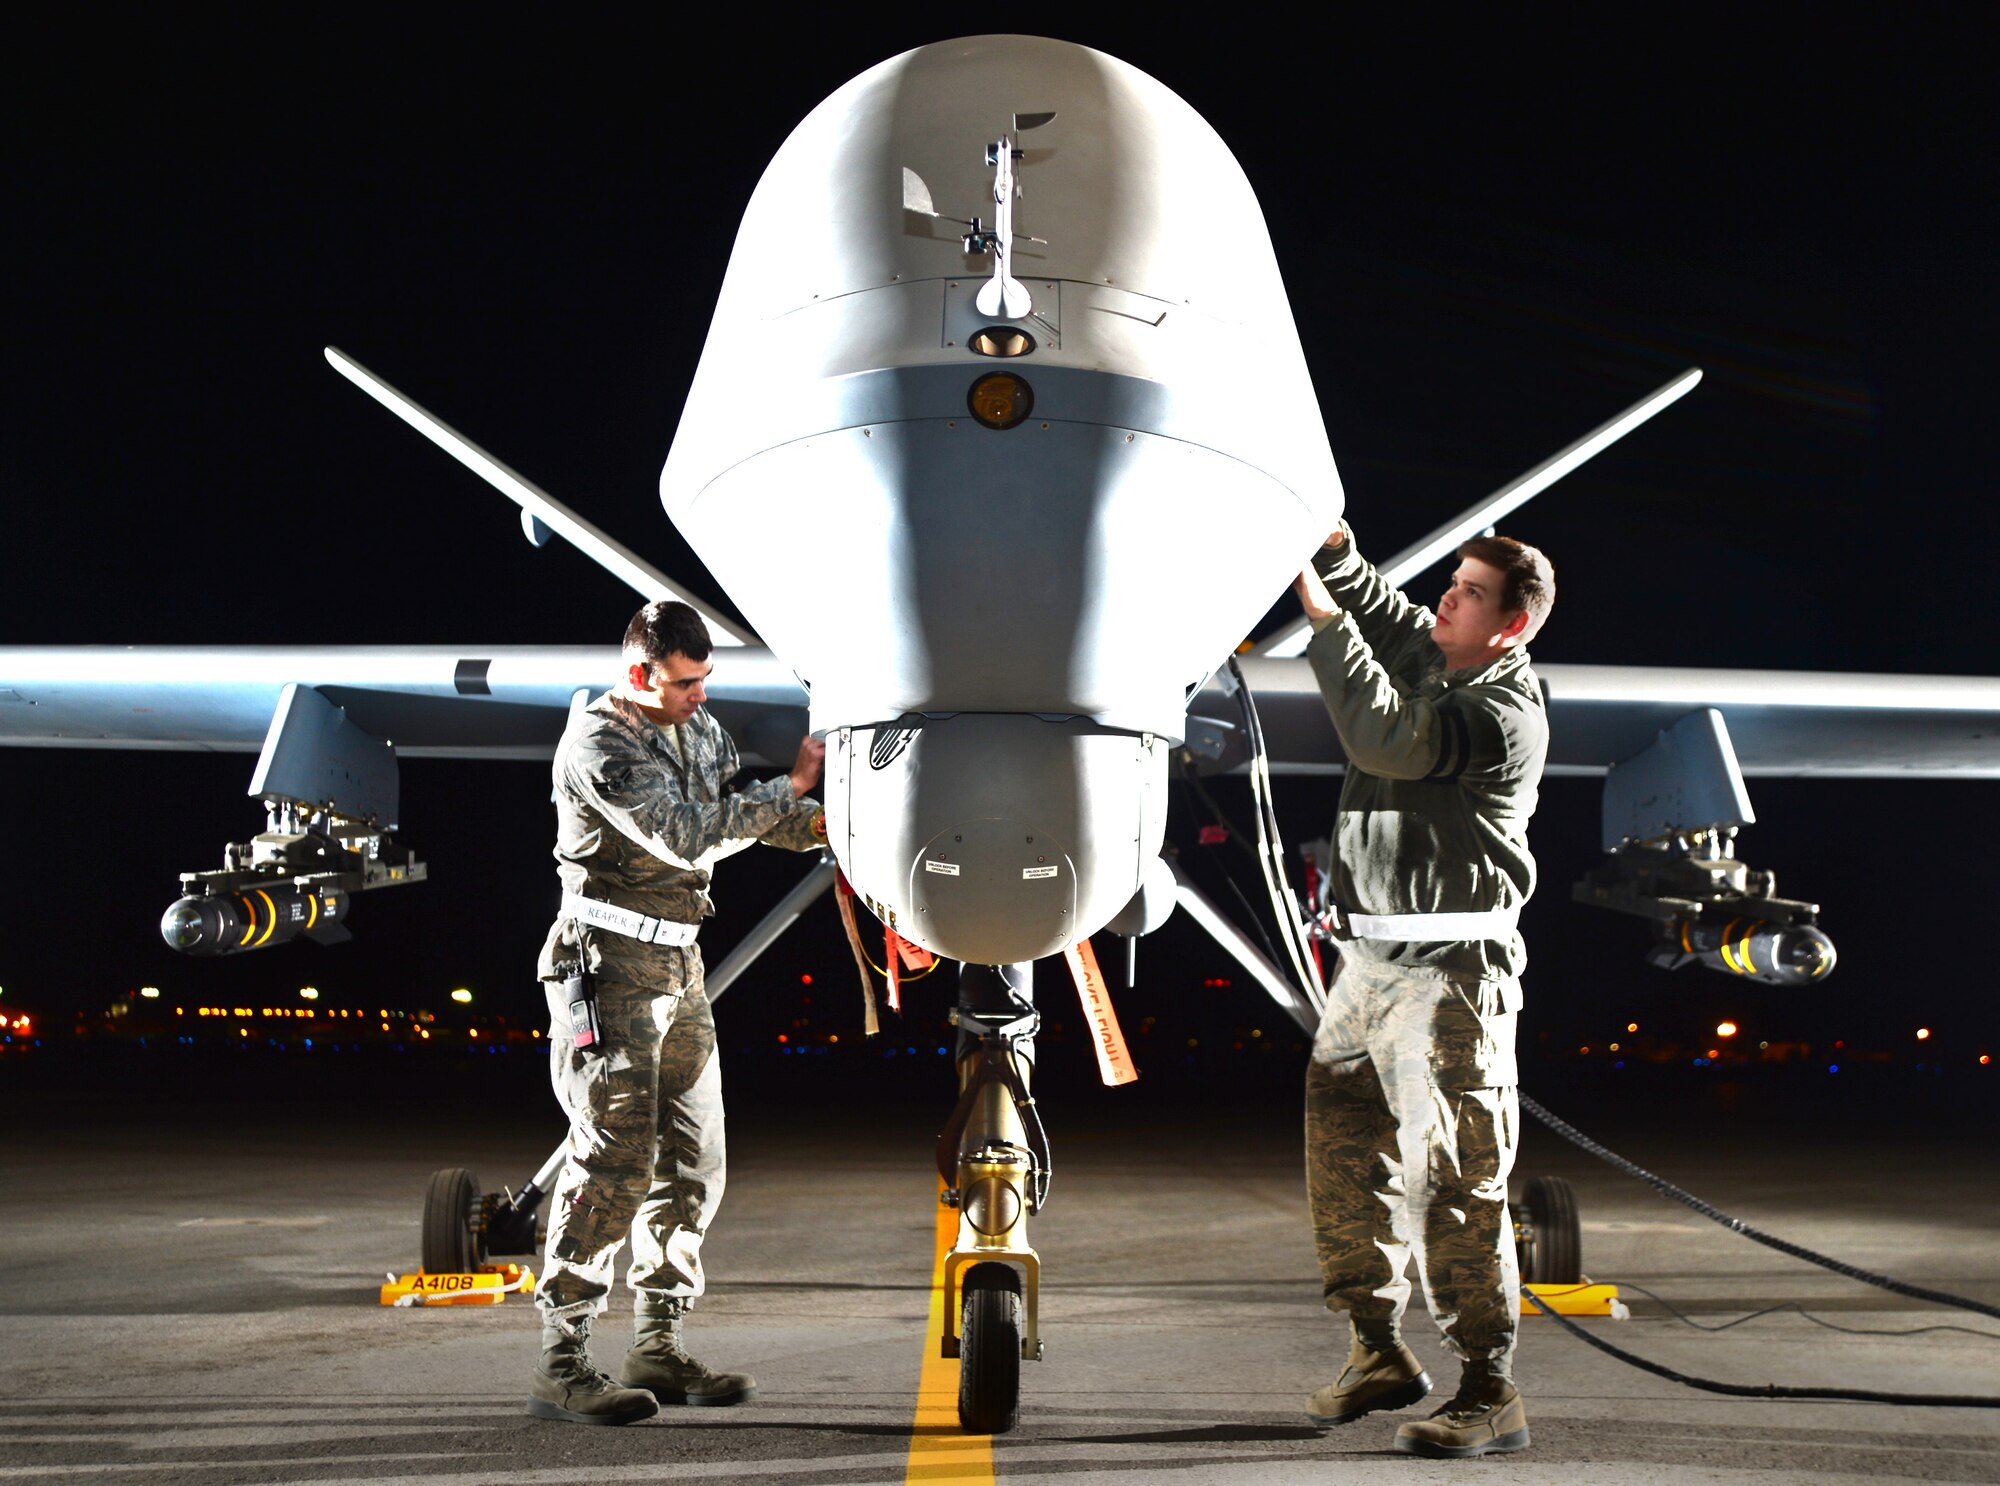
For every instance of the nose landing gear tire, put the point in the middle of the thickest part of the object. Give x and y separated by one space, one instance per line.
1550 1233
990 1333
451 1202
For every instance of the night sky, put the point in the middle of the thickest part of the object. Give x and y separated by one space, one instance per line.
1494 233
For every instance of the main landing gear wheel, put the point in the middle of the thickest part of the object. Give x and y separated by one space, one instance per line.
989 1350
1549 1233
451 1203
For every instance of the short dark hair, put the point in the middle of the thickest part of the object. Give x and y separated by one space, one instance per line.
1530 576
663 628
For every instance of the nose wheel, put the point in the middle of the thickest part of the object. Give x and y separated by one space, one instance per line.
991 1331
994 1158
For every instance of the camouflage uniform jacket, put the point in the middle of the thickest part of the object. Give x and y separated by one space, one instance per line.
1443 769
642 816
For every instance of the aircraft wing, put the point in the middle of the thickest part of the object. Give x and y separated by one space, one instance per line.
429 701
509 702
1783 723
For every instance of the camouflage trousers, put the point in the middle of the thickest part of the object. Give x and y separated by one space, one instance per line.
646 1155
1412 1121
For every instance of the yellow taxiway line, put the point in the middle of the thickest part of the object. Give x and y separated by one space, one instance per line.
940 1450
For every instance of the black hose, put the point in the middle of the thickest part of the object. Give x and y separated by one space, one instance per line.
1667 1189
1760 1390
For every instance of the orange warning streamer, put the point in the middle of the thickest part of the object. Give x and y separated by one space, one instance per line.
1114 1063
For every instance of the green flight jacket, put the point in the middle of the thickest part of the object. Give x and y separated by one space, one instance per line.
1442 771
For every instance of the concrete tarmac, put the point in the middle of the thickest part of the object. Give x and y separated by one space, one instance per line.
191 1296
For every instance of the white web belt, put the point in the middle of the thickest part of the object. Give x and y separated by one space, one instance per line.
1492 923
626 921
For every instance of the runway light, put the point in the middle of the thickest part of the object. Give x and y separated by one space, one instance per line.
1923 1033
833 1037
1631 1026
1725 1029
461 995
1614 1047
152 993
1715 1052
1984 1059
805 980
309 993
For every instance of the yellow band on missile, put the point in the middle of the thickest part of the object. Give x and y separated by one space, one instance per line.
273 924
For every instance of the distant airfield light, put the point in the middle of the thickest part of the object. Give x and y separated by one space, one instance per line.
152 993
1614 1047
1631 1026
1984 1059
1725 1029
1923 1033
461 995
805 980
309 993
1714 1053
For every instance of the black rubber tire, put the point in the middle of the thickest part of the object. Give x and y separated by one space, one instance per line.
989 1356
1554 1252
450 1244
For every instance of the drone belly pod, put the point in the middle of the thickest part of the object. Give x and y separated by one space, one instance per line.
992 837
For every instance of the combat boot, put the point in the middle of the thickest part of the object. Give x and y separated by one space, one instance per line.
1386 1375
567 1386
660 1364
1485 1417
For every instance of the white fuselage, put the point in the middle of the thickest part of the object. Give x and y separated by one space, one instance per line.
1037 602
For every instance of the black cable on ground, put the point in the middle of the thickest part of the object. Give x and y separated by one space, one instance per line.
1790 1305
1764 1390
1667 1189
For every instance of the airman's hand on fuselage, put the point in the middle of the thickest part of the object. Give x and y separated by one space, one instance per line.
1313 597
806 769
1339 536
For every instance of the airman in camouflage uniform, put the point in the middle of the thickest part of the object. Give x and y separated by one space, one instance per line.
1412 1109
644 809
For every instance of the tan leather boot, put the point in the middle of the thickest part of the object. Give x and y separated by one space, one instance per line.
1476 1422
659 1363
567 1386
1372 1380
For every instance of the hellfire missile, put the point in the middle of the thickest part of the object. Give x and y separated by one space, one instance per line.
230 923
1765 950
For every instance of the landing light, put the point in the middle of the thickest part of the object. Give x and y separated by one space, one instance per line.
1000 400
